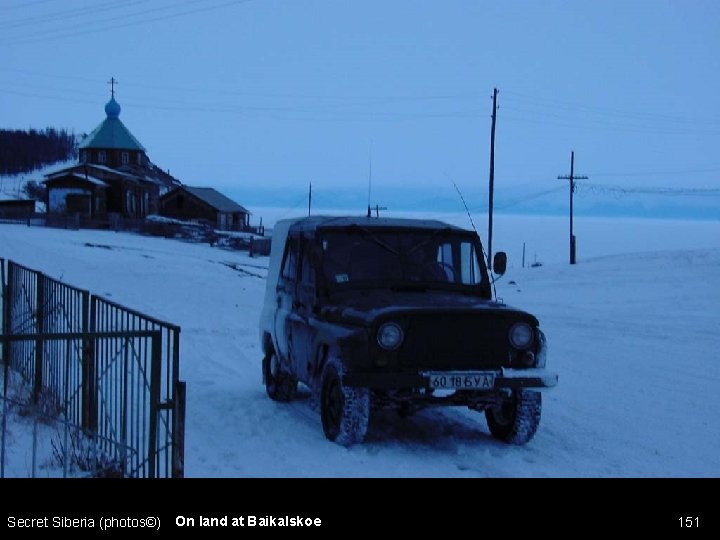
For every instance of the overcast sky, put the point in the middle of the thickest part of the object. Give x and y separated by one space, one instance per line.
264 96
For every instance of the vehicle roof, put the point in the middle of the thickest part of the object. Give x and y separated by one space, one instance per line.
312 223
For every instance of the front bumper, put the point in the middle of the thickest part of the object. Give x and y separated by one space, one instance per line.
504 378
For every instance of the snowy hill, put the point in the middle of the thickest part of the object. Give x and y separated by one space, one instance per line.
13 186
633 337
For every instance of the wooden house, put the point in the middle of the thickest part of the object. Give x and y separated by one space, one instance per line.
206 205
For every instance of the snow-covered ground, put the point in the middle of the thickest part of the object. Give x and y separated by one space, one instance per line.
633 333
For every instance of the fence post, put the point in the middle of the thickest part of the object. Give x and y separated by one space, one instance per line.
7 314
4 312
124 407
66 407
3 428
4 363
155 373
178 458
4 348
89 395
39 328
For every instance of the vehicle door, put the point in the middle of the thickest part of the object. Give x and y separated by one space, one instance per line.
286 289
303 329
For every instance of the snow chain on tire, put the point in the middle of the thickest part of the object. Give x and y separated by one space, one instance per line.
345 412
519 420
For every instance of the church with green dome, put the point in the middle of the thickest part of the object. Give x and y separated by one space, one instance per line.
113 179
111 143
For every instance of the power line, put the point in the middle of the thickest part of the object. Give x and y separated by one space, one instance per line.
658 173
25 4
67 14
612 111
237 93
518 200
507 203
629 123
42 37
615 127
346 106
41 74
18 87
325 112
624 190
56 98
79 14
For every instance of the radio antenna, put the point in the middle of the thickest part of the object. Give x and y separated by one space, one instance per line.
467 210
369 212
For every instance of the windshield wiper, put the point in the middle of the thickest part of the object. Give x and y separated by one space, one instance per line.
367 232
427 240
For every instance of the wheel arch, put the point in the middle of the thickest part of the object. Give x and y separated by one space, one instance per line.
323 353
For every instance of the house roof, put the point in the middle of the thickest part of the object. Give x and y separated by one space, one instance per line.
109 169
79 176
215 199
112 133
82 168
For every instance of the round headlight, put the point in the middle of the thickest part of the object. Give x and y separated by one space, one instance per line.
390 336
521 335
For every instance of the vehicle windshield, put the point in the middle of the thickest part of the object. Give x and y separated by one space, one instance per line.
441 258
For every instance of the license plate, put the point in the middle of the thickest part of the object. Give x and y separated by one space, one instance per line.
462 380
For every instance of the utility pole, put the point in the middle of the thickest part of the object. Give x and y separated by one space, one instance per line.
572 179
492 179
310 198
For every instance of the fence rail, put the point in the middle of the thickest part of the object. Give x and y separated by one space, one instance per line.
111 371
116 222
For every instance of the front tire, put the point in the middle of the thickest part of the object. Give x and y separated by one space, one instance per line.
516 420
280 386
345 412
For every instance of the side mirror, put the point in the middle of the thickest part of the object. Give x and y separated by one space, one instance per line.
500 262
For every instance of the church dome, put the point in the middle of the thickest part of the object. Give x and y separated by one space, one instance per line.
112 108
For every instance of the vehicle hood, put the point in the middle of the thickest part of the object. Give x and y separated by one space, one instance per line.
367 307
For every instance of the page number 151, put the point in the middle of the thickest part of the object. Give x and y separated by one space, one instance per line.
689 522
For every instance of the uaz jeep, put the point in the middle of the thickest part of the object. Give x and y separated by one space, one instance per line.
396 313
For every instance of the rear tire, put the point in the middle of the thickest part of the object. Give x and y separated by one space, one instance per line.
280 386
516 420
345 412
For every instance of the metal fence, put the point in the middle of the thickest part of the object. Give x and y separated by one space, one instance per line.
107 370
108 316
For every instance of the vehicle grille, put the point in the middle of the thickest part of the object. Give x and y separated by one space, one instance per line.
456 341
